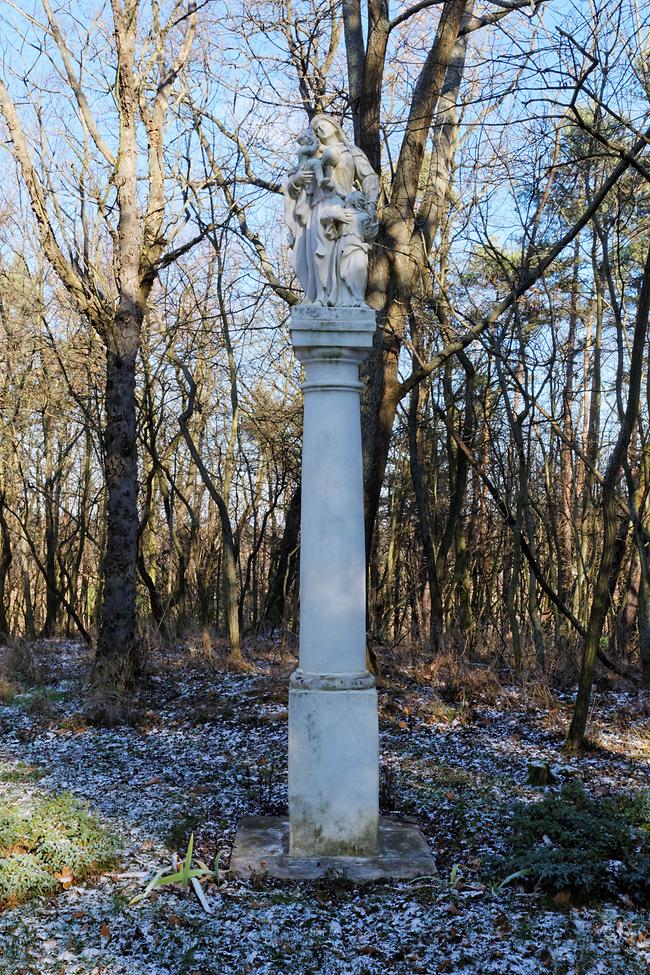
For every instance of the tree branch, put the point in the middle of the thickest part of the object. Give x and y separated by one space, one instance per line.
529 278
415 9
75 84
86 300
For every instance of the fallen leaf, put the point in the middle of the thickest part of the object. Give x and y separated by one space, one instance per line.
65 878
546 958
105 931
562 898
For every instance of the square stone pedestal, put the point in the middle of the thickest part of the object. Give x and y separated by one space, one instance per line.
262 847
333 766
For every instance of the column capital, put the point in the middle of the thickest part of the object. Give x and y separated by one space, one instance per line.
341 332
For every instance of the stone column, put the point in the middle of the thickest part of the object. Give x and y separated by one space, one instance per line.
333 730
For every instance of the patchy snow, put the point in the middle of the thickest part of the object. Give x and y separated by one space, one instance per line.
210 747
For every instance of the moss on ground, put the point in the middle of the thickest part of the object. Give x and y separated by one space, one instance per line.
54 843
20 773
39 700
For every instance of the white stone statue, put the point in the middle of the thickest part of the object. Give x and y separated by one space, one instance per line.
331 212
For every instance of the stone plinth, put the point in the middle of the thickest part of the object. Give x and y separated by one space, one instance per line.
262 847
333 766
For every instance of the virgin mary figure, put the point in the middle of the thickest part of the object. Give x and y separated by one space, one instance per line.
316 214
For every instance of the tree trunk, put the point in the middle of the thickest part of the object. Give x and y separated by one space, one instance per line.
644 629
283 565
463 580
565 533
229 560
602 588
30 622
118 661
599 607
436 642
50 498
6 558
230 588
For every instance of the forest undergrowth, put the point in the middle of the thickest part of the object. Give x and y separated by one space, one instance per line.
543 858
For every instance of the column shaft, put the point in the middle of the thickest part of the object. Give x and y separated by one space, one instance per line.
333 732
332 549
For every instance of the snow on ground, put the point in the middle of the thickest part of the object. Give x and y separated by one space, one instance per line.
209 747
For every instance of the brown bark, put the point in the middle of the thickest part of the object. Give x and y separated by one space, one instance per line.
436 623
6 558
393 270
566 511
139 247
283 566
117 661
230 578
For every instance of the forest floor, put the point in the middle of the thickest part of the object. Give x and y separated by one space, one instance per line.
207 747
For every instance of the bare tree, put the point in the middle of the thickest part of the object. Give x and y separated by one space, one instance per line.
112 292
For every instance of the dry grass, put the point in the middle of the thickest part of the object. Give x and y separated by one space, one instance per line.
8 691
538 693
270 692
20 665
18 670
642 737
459 682
203 646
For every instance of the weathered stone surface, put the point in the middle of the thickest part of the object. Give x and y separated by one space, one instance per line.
330 208
333 731
333 771
262 847
331 213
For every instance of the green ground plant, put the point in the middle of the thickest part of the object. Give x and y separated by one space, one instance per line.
183 875
584 847
20 772
39 700
53 843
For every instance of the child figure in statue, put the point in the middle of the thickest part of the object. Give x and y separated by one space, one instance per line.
331 211
309 162
353 227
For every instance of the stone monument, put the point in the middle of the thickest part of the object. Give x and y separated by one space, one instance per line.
330 209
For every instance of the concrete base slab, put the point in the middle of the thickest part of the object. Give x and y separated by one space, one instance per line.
262 847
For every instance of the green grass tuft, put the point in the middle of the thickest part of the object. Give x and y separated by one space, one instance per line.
55 843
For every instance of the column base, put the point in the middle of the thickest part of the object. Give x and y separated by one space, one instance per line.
333 766
262 848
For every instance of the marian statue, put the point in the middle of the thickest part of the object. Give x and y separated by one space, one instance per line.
331 212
